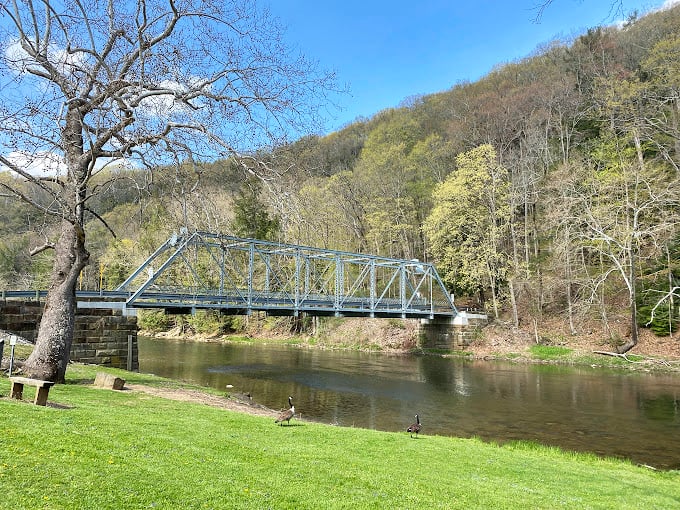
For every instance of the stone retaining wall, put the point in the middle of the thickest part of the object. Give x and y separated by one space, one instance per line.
101 337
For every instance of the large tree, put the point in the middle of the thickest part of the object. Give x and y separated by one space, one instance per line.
468 226
155 83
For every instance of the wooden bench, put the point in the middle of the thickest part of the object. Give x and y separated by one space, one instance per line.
43 389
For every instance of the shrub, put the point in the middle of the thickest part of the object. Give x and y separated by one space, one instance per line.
153 320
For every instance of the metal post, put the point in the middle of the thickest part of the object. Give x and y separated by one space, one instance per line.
222 262
372 285
251 272
339 282
266 273
402 288
12 343
129 357
298 263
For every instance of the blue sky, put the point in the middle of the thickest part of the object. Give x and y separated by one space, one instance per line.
386 51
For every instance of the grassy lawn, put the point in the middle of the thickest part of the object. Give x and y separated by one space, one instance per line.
123 449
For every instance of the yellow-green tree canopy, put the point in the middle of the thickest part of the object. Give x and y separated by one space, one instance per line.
468 224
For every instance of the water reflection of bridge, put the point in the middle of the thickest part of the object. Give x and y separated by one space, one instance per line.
202 270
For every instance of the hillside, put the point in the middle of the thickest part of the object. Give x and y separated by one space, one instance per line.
545 192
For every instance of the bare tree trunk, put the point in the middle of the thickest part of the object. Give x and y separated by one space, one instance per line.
671 307
633 309
515 272
50 356
513 301
632 277
493 282
570 298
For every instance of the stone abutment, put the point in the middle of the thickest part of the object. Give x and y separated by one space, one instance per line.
101 337
452 334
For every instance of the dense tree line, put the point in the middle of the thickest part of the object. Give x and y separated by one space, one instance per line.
548 188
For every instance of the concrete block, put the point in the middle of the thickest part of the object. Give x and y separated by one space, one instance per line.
108 381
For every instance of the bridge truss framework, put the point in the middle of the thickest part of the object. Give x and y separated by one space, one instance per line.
203 270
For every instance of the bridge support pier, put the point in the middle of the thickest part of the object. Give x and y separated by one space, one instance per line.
450 334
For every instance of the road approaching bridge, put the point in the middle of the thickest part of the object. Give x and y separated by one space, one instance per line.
202 270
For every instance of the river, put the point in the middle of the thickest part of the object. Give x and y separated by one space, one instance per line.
625 414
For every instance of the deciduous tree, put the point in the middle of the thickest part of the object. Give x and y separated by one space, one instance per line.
469 223
152 82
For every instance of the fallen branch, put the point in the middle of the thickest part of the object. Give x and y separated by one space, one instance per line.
40 249
648 360
617 355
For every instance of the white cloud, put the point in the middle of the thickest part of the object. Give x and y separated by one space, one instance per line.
669 3
42 164
46 164
19 61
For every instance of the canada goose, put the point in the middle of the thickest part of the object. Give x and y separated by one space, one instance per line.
287 414
415 427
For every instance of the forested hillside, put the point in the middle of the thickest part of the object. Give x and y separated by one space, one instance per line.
549 190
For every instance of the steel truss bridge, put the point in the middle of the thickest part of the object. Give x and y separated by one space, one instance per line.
202 270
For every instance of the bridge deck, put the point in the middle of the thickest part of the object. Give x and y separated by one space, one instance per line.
177 303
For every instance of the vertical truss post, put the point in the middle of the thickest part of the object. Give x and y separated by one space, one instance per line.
402 288
251 272
339 282
267 272
224 251
298 263
431 299
372 286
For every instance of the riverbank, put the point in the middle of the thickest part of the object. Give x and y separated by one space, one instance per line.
497 342
134 449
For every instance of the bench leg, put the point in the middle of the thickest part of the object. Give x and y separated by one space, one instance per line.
41 396
17 390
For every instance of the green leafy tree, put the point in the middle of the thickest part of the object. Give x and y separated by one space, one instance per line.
468 226
118 262
660 88
328 216
384 177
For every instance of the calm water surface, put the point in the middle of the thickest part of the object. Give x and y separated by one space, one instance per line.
623 414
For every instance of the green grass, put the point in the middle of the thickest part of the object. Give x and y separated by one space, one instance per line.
548 352
112 449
